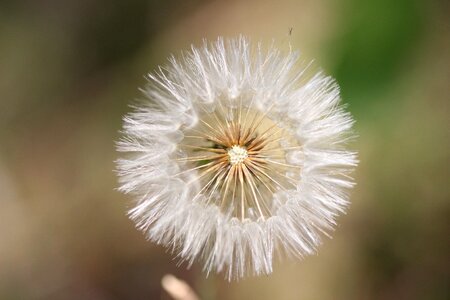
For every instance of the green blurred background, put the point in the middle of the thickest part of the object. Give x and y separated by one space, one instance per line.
69 69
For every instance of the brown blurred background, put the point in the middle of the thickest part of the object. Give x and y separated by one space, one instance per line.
69 69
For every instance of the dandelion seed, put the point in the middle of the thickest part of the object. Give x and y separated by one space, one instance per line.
237 154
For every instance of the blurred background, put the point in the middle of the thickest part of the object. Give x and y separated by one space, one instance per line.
69 69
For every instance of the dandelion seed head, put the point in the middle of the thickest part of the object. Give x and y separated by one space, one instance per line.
239 154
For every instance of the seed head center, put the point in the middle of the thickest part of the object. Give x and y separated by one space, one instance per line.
237 155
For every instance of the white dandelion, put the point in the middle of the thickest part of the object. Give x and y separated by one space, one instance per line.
237 155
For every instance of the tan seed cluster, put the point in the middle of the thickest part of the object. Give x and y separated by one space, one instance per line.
238 160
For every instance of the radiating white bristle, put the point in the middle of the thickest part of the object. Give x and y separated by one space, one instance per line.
306 162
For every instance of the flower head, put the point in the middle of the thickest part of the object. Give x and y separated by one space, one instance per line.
237 153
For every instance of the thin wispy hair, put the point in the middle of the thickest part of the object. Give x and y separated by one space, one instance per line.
238 155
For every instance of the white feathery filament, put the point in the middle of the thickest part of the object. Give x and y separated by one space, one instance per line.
238 153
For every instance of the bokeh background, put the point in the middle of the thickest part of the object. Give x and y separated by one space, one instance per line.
69 69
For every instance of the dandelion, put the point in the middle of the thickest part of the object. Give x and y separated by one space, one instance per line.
237 156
